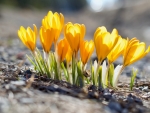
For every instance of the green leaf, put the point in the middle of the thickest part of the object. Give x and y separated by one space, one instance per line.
74 69
92 74
111 74
42 64
66 73
100 82
80 76
39 63
56 68
133 75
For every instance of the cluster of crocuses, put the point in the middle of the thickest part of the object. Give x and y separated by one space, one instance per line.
109 46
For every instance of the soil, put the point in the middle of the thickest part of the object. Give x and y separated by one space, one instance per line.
22 90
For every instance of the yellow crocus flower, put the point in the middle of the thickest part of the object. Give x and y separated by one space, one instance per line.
117 50
134 51
28 37
104 42
61 49
46 38
100 30
69 55
86 50
54 22
74 33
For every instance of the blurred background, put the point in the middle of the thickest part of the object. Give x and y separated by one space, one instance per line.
130 17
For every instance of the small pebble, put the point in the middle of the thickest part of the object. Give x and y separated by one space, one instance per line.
18 83
26 100
115 107
140 87
146 89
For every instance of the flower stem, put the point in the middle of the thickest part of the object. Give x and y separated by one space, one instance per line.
97 76
73 69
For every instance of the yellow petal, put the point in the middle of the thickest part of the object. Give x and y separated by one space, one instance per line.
99 31
55 22
28 37
86 50
117 50
74 34
83 30
134 51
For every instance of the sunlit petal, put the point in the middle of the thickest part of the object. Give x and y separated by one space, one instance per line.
86 50
74 34
134 51
53 21
104 42
62 48
28 37
117 50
